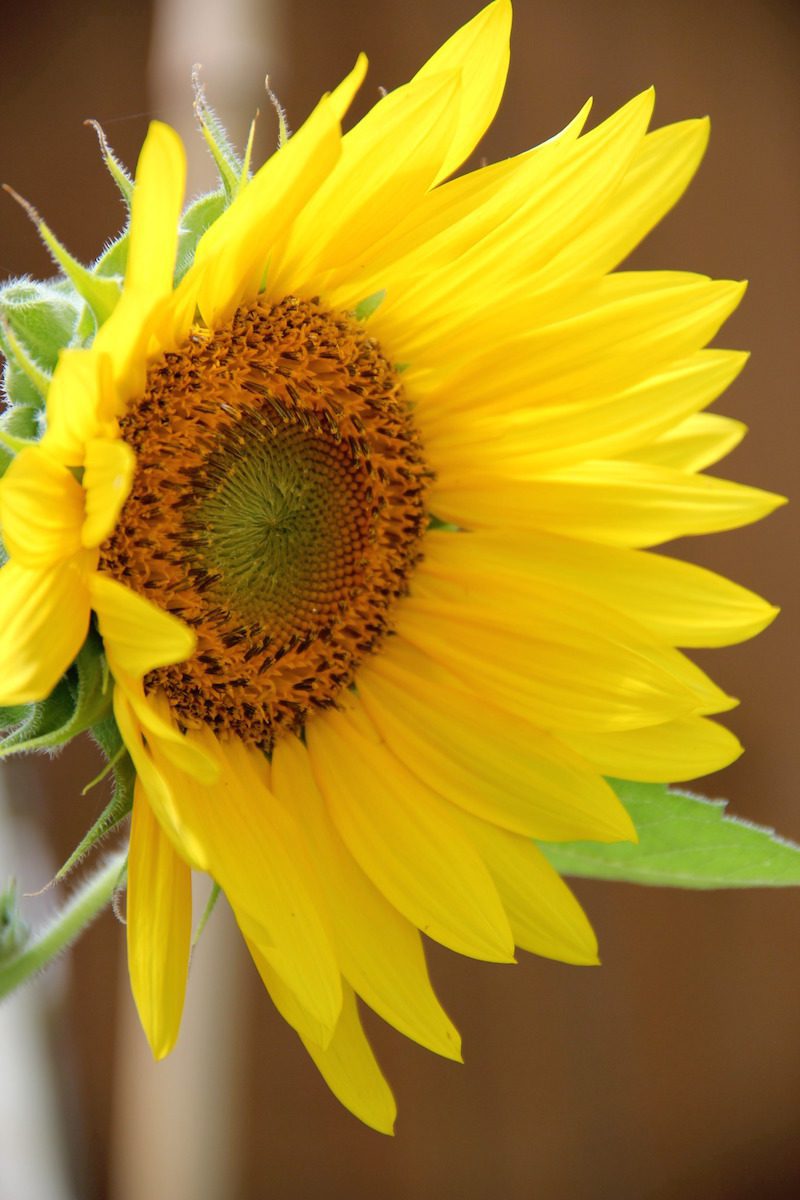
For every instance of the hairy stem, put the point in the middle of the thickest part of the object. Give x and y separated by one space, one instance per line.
77 914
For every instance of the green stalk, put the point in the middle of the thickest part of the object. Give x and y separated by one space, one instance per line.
76 915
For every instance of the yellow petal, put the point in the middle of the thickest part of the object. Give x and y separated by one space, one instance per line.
107 479
379 951
81 402
483 759
152 718
155 214
575 666
44 619
41 508
159 790
157 200
387 164
233 254
159 927
543 439
345 1060
614 503
670 753
350 1069
479 50
681 603
619 333
493 575
545 917
449 220
344 93
406 840
139 636
698 442
566 184
183 749
659 173
286 1001
252 847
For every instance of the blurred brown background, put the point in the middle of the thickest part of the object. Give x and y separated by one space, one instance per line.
672 1071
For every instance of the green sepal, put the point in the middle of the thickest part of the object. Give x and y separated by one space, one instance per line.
19 427
100 293
199 216
20 424
121 176
113 262
244 174
37 320
43 719
13 714
438 525
18 389
16 353
118 763
43 317
78 701
14 932
211 904
685 841
370 304
284 132
86 328
227 161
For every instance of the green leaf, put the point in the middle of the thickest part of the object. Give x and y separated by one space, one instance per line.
684 841
78 701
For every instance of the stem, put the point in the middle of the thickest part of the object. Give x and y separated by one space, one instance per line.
79 911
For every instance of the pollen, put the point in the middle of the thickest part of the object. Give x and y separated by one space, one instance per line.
278 507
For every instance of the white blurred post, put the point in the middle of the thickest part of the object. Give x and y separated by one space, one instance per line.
33 1159
236 44
177 1122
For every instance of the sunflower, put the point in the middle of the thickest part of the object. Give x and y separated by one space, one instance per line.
361 507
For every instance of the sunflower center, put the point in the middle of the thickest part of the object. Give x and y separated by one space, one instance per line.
277 507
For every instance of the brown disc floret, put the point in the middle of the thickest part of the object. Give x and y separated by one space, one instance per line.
277 508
